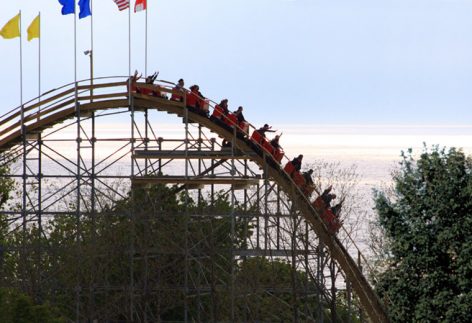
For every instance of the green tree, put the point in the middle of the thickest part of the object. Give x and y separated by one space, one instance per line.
159 242
16 307
427 223
6 187
146 234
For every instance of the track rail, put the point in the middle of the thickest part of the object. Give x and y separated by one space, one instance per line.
73 100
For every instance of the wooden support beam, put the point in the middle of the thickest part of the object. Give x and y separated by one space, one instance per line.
181 154
269 252
228 180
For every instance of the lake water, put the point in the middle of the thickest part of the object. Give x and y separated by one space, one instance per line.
373 149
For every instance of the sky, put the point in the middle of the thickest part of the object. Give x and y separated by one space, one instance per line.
343 62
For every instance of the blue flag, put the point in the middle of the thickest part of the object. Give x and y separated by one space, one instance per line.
67 6
84 6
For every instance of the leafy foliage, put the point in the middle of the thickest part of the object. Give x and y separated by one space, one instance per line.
158 242
6 186
19 308
428 226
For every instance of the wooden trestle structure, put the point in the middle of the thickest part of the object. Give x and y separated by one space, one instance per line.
30 136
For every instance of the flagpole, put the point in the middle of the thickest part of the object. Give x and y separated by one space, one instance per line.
39 63
23 132
39 188
75 50
131 105
91 25
21 70
146 44
129 39
91 52
78 158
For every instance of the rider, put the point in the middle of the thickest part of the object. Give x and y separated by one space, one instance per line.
202 106
275 142
297 162
220 110
239 114
132 81
264 129
307 176
337 208
243 125
192 97
155 90
178 91
327 197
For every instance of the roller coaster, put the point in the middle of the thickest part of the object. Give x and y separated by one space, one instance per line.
65 147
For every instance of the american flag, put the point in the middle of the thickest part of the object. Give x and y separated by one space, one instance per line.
122 4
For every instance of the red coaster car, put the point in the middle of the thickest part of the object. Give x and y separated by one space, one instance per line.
133 85
298 179
204 105
231 120
143 89
289 168
256 137
244 126
330 219
267 146
191 99
279 154
217 112
177 96
308 190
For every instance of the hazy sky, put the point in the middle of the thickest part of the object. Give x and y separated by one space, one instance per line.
285 61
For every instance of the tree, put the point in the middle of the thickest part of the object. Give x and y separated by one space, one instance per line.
159 243
6 185
427 223
146 234
6 188
16 307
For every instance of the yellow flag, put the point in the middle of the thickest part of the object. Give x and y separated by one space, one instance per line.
11 28
33 29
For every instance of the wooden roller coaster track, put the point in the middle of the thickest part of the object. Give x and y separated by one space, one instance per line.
73 100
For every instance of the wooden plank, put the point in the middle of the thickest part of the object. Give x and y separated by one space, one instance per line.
50 99
97 97
268 252
58 96
156 87
181 154
37 116
60 116
143 180
102 85
32 136
164 104
72 102
28 108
